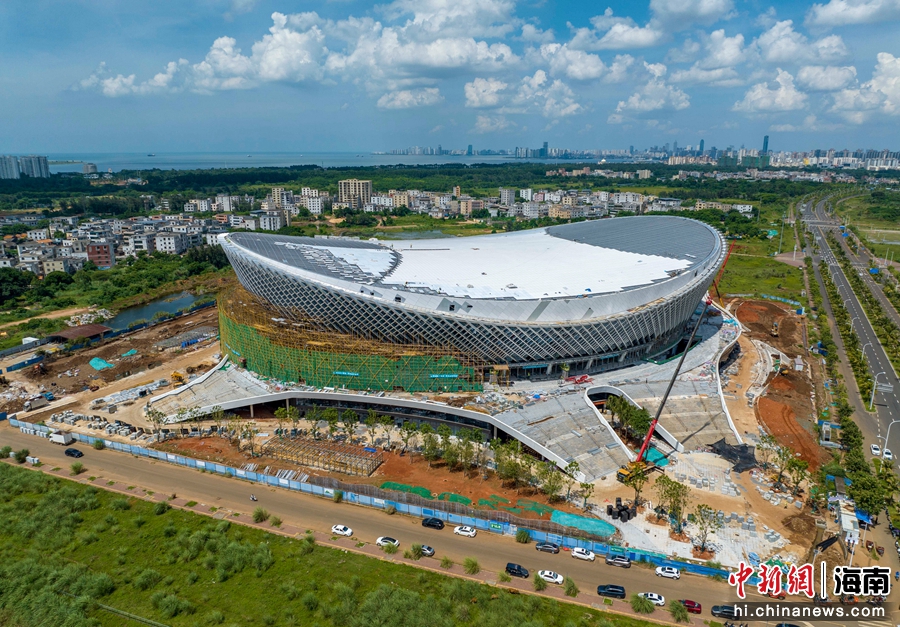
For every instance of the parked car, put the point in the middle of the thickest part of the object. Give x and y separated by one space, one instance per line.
463 530
73 452
383 540
618 560
611 590
876 450
692 606
723 611
669 572
433 523
547 547
552 577
514 570
583 554
342 530
427 551
887 455
656 599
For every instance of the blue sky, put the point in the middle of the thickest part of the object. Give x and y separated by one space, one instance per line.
280 75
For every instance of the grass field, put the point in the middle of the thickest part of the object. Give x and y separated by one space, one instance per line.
761 275
876 229
60 538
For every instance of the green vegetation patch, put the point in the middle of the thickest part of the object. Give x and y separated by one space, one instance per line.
454 498
184 569
413 489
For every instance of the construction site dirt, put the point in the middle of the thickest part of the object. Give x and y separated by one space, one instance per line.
64 373
437 479
786 410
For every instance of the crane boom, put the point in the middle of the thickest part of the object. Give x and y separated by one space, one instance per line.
646 445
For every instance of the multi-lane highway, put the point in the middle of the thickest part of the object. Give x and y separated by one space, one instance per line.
887 405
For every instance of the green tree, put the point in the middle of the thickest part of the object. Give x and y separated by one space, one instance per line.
387 422
767 446
797 468
868 493
349 420
408 432
14 283
679 612
587 489
641 605
707 522
638 422
430 443
313 416
331 416
636 480
372 423
783 455
550 478
572 469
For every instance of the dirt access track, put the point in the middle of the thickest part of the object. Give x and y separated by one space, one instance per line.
786 410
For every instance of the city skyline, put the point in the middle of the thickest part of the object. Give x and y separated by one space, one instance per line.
253 74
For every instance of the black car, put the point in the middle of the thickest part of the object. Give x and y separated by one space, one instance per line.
618 560
74 452
547 547
514 570
611 590
427 551
433 523
723 611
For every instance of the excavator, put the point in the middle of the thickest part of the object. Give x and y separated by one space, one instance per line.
774 331
177 379
641 464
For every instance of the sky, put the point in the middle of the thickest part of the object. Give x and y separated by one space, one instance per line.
348 75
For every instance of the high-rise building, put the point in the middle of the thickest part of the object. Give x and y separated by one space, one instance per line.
469 150
89 168
9 167
507 197
457 191
34 166
765 149
355 192
545 151
701 146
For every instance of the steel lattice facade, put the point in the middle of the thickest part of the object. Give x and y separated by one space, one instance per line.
589 345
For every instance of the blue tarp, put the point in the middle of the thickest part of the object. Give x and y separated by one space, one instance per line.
591 525
133 351
861 515
100 364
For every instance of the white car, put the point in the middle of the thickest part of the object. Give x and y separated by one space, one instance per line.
342 530
383 540
876 450
669 572
655 599
469 532
887 455
583 554
549 575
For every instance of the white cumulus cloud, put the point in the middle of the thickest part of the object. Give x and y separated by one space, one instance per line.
843 12
655 95
484 92
881 94
553 99
826 78
784 96
782 44
410 98
491 124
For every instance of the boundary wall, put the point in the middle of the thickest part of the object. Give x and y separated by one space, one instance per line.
495 526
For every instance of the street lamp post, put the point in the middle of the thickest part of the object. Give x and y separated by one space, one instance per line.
864 348
889 433
872 400
851 321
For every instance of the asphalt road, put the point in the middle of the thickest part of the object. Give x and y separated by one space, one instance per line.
887 404
307 512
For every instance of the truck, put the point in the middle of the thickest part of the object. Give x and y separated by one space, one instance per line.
36 403
48 395
62 437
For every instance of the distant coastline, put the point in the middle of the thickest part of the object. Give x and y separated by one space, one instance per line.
71 162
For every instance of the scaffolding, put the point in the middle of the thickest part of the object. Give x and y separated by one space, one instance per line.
331 456
302 350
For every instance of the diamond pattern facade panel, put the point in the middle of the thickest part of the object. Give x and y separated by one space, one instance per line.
589 345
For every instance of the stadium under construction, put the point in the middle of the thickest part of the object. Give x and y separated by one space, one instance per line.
451 314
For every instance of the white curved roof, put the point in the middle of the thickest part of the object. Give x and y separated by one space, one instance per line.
645 257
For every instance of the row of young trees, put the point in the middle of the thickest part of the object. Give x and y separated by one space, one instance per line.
634 420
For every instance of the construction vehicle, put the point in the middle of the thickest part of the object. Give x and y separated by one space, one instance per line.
177 379
641 464
774 331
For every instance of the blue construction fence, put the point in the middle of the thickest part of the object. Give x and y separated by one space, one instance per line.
112 334
504 528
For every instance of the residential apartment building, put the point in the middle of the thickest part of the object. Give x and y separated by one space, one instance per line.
355 192
315 204
102 254
507 197
172 243
9 167
34 166
271 221
467 206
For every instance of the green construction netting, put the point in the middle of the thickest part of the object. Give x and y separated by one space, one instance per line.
454 498
413 373
534 506
402 487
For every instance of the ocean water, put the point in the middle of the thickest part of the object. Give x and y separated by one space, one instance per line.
204 160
